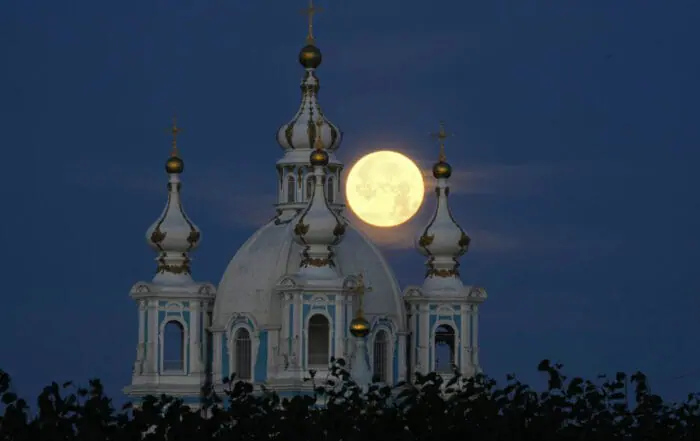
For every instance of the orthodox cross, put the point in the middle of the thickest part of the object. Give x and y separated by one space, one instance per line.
441 135
360 290
174 130
310 12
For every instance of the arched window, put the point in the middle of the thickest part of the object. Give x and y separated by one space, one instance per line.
330 192
319 341
173 347
291 189
380 358
444 348
309 187
242 358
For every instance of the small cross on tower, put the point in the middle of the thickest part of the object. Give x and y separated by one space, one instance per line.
310 12
441 136
174 130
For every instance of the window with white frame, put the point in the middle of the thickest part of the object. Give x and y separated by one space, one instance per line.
380 357
242 358
319 341
444 345
291 190
173 347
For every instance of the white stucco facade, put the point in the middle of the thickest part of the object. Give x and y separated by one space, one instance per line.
285 302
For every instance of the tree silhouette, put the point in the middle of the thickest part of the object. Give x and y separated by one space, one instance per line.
610 408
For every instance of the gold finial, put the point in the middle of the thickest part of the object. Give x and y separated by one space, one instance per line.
441 136
310 12
174 130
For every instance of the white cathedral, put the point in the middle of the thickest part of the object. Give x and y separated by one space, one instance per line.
305 287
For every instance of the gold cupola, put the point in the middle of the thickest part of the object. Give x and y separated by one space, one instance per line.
173 235
309 122
318 228
442 241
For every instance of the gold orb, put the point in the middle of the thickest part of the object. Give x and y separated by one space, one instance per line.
442 170
174 165
359 327
310 56
319 158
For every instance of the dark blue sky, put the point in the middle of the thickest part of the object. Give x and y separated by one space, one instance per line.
575 150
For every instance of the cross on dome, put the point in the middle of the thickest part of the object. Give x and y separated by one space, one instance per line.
310 12
175 130
441 135
441 169
173 235
442 241
301 132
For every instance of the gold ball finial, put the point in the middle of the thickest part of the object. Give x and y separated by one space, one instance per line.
310 55
441 169
174 164
359 327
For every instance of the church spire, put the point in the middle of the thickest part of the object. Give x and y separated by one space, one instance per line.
443 241
300 132
173 235
318 228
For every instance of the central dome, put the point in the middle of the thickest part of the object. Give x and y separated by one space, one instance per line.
270 253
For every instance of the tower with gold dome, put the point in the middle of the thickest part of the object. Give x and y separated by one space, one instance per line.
173 309
444 312
293 295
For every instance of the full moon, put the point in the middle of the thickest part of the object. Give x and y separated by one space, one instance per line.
384 188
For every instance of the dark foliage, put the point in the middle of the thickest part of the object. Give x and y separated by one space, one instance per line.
618 408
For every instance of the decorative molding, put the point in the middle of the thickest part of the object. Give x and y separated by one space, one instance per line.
141 288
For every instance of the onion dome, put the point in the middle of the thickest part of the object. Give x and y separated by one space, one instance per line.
318 228
173 235
443 241
301 132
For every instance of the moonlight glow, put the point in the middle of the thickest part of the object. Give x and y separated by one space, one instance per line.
384 188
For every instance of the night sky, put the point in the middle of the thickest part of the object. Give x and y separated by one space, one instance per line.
575 153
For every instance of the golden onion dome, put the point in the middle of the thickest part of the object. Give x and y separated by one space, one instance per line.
310 56
359 327
442 170
174 165
319 158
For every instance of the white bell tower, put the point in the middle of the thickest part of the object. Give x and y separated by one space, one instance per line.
443 313
172 355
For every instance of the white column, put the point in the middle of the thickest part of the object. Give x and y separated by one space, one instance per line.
425 338
273 359
285 323
218 356
195 359
338 326
153 336
464 361
401 354
298 333
142 321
